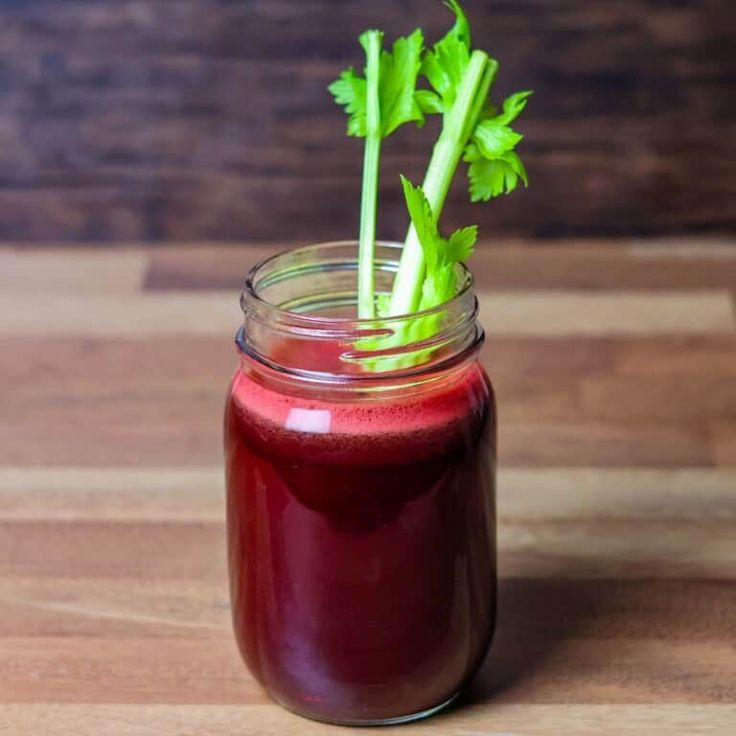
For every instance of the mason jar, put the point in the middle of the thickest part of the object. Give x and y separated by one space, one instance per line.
360 465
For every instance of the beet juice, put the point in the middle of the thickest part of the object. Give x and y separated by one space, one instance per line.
360 514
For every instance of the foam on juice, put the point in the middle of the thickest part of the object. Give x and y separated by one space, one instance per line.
404 423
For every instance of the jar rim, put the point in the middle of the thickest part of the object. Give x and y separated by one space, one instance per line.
250 290
369 349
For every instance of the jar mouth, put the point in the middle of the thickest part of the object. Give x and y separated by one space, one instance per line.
259 273
306 298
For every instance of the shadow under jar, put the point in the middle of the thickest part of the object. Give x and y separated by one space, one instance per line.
360 493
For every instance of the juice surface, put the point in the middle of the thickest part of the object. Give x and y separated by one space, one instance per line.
361 544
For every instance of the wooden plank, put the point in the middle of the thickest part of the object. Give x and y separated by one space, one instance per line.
79 606
195 550
615 313
123 315
616 549
125 402
551 607
137 431
643 494
146 550
196 494
723 432
689 248
209 267
112 494
129 402
509 357
178 670
271 720
657 397
66 494
610 670
596 266
690 356
88 365
617 443
537 510
551 610
658 264
39 273
627 421
502 313
615 397
125 670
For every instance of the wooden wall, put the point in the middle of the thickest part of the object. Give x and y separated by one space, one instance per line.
208 119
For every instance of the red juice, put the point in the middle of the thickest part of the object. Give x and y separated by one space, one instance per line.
361 542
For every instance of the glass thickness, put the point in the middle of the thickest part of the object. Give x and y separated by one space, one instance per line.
360 503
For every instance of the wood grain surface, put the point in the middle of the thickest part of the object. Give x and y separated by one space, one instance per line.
178 119
615 368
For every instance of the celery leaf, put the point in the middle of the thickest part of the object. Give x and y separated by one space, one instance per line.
493 140
398 102
349 90
440 255
445 64
397 83
513 105
492 177
495 167
461 243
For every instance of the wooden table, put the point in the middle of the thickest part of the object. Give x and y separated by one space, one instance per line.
616 373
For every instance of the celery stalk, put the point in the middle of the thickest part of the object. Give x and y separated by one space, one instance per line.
457 127
371 162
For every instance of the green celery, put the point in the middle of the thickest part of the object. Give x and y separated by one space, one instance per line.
377 105
446 155
459 79
371 41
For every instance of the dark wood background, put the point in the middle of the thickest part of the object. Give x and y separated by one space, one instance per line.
156 120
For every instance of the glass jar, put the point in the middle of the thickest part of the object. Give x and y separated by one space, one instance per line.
360 493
